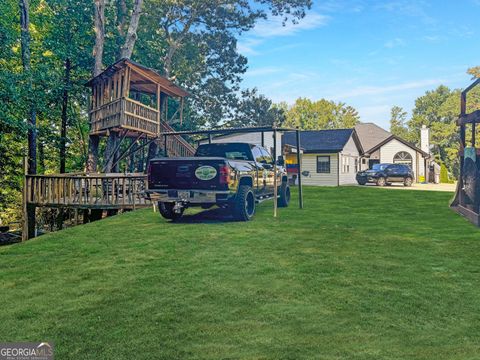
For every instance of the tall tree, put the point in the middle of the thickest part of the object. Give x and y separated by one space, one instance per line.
32 121
322 114
99 26
195 44
398 122
131 37
254 109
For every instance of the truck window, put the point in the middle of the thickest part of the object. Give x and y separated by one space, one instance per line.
257 154
232 151
266 156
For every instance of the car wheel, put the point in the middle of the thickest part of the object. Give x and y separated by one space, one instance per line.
284 199
361 182
166 210
381 181
408 181
244 206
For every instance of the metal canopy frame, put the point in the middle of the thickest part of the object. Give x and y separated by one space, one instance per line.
245 130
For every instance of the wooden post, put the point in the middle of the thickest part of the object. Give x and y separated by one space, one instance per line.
275 190
181 110
299 171
24 200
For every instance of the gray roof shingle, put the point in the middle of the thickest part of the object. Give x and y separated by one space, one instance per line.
319 141
370 135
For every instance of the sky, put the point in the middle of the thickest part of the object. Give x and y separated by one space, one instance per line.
369 54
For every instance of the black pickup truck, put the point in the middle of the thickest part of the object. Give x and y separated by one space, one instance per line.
234 176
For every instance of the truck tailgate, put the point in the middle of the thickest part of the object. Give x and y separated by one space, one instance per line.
186 173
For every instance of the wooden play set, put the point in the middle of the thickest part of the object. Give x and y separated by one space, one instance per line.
467 197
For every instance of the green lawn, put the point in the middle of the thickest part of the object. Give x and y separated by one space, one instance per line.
360 273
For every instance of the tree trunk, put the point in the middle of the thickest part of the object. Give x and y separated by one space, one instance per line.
131 37
41 156
63 128
121 21
32 121
99 27
110 153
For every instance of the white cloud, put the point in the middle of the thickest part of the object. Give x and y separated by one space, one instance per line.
395 43
247 46
379 90
274 27
263 71
374 112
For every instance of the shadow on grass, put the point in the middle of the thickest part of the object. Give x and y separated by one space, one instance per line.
210 216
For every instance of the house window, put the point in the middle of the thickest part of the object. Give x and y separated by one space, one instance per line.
345 164
356 165
403 157
364 161
323 164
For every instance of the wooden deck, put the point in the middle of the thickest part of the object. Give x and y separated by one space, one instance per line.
87 191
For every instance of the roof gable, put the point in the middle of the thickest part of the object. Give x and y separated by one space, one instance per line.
394 137
370 134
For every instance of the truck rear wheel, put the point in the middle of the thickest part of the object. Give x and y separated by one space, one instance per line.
284 199
244 206
166 210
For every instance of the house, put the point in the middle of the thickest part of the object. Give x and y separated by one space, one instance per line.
381 146
329 158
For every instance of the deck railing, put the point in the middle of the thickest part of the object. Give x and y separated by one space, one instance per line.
103 191
125 113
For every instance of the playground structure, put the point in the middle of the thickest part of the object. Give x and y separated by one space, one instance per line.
467 197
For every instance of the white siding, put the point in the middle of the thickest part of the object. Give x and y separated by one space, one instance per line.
309 163
388 151
348 156
251 138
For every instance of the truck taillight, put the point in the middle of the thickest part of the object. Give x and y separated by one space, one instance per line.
224 174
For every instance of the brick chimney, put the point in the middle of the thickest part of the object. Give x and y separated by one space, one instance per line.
425 139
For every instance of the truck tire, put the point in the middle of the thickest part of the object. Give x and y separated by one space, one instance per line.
407 181
284 199
244 205
166 210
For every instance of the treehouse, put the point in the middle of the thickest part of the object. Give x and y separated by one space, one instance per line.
130 98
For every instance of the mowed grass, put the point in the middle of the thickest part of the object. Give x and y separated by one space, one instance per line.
360 273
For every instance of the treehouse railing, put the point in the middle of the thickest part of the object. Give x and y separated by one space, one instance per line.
176 145
102 191
125 113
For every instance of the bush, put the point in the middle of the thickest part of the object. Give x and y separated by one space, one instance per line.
444 175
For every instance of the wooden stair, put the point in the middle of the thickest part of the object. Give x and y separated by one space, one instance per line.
176 145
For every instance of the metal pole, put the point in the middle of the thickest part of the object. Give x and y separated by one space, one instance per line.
299 171
209 138
263 139
275 190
